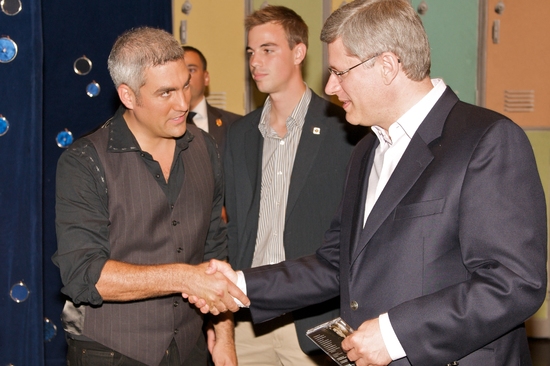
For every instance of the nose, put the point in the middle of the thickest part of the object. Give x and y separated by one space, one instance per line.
253 60
182 99
333 85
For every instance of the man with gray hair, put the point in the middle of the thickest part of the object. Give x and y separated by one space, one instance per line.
438 250
138 209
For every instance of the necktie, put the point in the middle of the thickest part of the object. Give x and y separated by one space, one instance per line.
190 117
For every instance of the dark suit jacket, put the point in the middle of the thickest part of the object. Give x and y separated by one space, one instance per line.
454 249
218 124
315 190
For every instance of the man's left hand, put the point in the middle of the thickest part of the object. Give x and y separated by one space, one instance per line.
221 342
366 346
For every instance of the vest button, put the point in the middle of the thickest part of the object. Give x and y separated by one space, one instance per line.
158 176
175 331
180 250
174 223
354 305
176 304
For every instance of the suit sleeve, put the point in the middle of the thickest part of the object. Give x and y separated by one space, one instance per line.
293 284
503 239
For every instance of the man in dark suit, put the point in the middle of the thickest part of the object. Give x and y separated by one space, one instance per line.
284 170
213 120
439 247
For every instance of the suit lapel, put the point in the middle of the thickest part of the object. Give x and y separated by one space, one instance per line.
416 158
253 145
308 148
213 128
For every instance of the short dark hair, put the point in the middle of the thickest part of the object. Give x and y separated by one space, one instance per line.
294 26
201 56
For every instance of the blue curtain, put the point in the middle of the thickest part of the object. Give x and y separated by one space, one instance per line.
41 96
21 341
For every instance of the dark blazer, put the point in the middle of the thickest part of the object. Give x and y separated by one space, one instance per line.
315 190
454 249
218 123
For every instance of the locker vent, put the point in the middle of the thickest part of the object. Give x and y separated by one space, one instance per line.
520 101
217 100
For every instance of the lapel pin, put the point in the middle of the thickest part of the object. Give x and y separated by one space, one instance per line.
219 122
316 131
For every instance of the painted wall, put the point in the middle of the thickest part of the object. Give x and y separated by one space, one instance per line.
216 28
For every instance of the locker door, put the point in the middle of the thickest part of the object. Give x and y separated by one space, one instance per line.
452 28
517 83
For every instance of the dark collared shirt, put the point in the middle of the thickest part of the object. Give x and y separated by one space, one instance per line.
79 177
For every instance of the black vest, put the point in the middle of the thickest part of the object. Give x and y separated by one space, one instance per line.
145 230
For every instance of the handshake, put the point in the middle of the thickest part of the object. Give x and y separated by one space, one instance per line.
214 290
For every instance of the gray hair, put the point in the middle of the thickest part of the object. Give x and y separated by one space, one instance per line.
138 49
372 27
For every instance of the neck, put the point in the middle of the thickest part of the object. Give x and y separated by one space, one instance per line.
283 103
406 95
146 140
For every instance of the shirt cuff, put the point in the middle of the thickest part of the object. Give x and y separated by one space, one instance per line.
241 284
393 345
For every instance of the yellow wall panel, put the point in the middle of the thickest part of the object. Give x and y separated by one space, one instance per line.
216 28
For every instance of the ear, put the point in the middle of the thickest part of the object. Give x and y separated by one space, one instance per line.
206 78
390 67
300 51
127 96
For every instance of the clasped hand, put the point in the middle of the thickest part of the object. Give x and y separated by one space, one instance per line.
216 290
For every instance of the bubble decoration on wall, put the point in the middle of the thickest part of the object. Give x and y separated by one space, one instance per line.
64 139
50 330
4 125
82 65
19 292
93 89
8 50
11 7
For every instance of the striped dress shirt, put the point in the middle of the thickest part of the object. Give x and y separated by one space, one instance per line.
277 163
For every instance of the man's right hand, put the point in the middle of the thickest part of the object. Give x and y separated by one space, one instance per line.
213 288
219 268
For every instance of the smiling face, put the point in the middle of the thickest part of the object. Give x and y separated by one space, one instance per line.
273 65
161 108
361 90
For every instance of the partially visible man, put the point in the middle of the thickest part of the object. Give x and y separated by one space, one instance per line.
213 120
285 169
439 247
138 208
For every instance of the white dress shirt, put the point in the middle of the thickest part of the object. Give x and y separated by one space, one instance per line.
393 144
201 117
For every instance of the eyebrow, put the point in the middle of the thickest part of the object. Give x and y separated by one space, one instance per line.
263 46
164 89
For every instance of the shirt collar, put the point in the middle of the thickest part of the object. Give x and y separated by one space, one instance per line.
200 109
121 139
297 117
412 119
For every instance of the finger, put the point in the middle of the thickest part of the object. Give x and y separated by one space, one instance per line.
238 294
346 345
200 303
213 310
212 267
